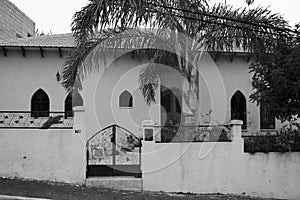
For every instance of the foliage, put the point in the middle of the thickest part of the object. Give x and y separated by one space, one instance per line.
173 134
276 80
287 139
39 32
249 2
218 27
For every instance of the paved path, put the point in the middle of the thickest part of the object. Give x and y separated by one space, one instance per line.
36 190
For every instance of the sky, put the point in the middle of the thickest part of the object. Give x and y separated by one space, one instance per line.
56 15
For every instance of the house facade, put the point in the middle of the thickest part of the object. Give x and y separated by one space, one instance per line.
49 134
107 129
35 64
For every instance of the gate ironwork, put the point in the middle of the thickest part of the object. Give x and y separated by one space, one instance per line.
114 151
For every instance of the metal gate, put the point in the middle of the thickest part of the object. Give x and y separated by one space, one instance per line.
114 151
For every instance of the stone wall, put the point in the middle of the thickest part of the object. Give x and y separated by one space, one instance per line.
13 22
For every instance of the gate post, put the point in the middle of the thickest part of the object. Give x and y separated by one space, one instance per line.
148 144
80 148
79 126
237 140
236 130
148 130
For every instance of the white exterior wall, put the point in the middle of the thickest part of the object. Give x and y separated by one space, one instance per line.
220 168
223 78
236 76
22 76
52 155
101 91
199 167
219 81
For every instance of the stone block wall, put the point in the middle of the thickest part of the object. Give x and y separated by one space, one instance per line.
13 22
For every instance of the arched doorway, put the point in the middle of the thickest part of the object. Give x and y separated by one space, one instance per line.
170 113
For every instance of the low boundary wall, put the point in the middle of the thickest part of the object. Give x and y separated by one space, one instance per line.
220 168
51 155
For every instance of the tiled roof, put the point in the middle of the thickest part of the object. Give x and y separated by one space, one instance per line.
56 40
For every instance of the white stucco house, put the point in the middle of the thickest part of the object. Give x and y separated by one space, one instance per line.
107 129
35 64
48 134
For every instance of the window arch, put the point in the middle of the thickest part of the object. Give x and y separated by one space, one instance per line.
125 100
40 104
239 108
68 106
72 100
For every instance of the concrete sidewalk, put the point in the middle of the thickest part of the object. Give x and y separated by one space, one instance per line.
39 190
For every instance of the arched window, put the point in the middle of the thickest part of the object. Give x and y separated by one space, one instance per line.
125 100
72 100
40 104
68 106
239 108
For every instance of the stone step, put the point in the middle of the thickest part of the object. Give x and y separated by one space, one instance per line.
121 183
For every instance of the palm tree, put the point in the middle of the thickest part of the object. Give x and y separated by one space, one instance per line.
219 27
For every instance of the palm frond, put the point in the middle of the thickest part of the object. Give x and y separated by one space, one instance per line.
112 24
99 15
73 67
80 62
253 30
148 80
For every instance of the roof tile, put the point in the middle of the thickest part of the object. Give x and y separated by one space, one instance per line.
55 40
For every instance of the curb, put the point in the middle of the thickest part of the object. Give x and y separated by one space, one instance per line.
20 197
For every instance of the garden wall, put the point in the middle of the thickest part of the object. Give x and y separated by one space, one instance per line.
51 155
220 167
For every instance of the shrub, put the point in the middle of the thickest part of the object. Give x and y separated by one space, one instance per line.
287 139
